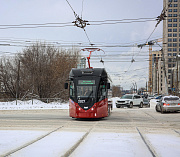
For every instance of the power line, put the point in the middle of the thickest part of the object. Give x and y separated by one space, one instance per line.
124 20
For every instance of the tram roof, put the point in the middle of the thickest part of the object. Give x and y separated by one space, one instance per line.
99 72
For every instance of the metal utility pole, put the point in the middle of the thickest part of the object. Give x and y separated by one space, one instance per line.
177 73
17 82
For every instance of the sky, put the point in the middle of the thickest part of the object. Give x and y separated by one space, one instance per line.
111 38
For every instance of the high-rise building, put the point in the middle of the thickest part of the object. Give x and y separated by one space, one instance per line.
171 37
155 73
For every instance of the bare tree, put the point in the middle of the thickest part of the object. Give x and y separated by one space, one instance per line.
40 69
116 92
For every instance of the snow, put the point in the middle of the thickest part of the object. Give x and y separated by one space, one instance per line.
166 145
112 144
11 139
32 105
95 144
153 103
55 145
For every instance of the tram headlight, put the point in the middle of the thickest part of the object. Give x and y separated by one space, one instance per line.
92 108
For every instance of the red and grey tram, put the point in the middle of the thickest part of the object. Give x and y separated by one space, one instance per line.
88 90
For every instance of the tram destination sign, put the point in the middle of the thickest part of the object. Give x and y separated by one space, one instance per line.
86 82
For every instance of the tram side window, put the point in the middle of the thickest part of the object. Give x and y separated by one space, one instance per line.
102 92
71 88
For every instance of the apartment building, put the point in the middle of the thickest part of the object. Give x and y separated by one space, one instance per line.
171 37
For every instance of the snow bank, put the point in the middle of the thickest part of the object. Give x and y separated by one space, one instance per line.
153 103
31 105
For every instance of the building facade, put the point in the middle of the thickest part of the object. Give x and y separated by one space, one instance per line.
171 39
155 73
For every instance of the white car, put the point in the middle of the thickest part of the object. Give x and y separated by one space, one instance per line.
130 100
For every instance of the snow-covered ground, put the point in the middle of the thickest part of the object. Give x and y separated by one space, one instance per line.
32 105
96 144
37 104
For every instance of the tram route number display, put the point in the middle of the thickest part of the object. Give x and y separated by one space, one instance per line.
86 82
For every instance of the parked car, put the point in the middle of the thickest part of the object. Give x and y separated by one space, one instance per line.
146 102
168 104
129 100
158 97
150 97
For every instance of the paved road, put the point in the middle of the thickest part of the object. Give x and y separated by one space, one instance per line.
129 121
120 119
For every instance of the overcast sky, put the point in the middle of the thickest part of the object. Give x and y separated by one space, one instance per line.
123 72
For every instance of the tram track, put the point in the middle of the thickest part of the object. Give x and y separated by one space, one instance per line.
144 124
30 143
76 145
146 142
177 132
66 154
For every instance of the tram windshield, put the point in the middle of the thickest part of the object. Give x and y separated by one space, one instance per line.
86 91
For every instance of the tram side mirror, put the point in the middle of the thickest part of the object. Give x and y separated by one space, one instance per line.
108 85
65 85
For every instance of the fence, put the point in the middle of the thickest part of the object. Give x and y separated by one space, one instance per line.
13 101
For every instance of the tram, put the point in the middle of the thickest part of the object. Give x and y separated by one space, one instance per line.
88 90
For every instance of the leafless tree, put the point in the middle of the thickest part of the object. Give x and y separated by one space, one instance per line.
40 69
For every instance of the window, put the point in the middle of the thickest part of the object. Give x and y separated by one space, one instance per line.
174 20
175 40
169 25
169 20
169 70
174 49
175 5
170 0
169 49
86 91
175 30
175 0
169 30
174 25
174 54
169 15
174 15
169 45
170 35
174 35
71 90
169 40
169 59
169 54
170 10
102 91
175 10
174 44
169 65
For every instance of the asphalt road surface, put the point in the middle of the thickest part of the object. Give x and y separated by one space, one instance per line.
132 121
